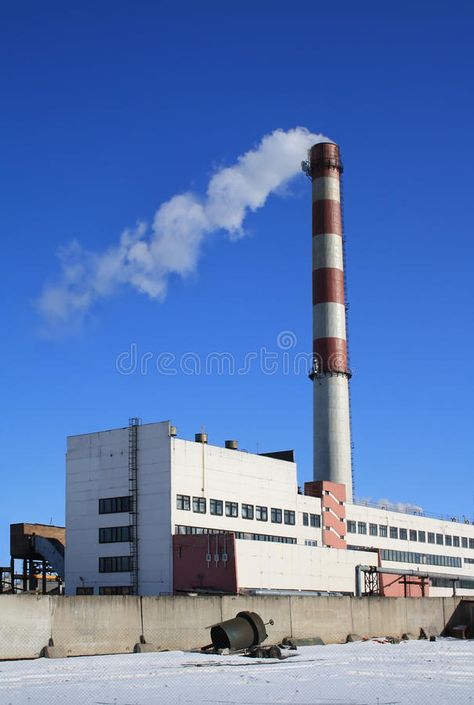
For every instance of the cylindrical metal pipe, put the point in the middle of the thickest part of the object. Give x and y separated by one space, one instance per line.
332 435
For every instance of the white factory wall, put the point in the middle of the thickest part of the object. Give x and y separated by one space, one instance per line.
401 520
97 467
287 567
200 470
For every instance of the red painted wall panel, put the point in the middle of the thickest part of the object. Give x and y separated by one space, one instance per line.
192 570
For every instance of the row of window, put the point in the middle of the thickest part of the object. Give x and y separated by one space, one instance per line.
421 558
180 529
106 590
393 532
446 583
115 534
115 564
113 505
247 511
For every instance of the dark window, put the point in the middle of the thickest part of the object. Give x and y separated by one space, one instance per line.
383 530
422 537
247 511
403 534
413 535
314 521
471 543
351 527
469 560
276 515
115 564
439 539
115 590
231 509
115 534
289 517
361 527
216 506
464 541
305 519
373 529
393 532
183 501
456 541
448 540
199 505
431 537
113 505
84 591
261 513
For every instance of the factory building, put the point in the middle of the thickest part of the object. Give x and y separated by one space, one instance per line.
203 517
149 513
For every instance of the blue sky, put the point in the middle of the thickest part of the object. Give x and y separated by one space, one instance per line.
109 109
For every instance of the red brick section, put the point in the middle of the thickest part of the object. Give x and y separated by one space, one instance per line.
331 354
394 586
327 217
333 497
328 286
325 160
192 571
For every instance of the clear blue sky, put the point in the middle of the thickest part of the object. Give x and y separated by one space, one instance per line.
111 108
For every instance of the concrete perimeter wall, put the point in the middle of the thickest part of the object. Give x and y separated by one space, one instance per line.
108 625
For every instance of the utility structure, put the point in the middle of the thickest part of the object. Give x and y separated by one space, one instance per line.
332 458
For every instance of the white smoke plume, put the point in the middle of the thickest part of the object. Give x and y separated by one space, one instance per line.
145 256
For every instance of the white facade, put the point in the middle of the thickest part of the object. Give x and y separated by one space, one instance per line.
282 551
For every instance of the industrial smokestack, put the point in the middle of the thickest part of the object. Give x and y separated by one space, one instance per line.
331 374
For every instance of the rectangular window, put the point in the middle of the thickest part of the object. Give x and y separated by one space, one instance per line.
403 535
183 501
276 515
393 532
114 505
84 590
351 526
305 519
216 507
261 513
231 509
199 505
383 530
464 541
115 534
431 537
289 517
115 564
373 530
448 540
115 590
422 537
456 541
471 543
361 527
413 535
314 521
469 560
247 511
439 539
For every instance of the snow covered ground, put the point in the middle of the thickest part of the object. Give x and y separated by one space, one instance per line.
364 673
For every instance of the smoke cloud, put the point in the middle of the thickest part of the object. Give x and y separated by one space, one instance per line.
145 256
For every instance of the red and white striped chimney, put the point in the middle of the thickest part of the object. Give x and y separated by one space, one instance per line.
331 374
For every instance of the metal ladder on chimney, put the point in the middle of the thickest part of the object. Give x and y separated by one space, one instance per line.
133 425
344 260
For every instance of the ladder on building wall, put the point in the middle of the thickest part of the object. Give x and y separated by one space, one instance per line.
133 425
